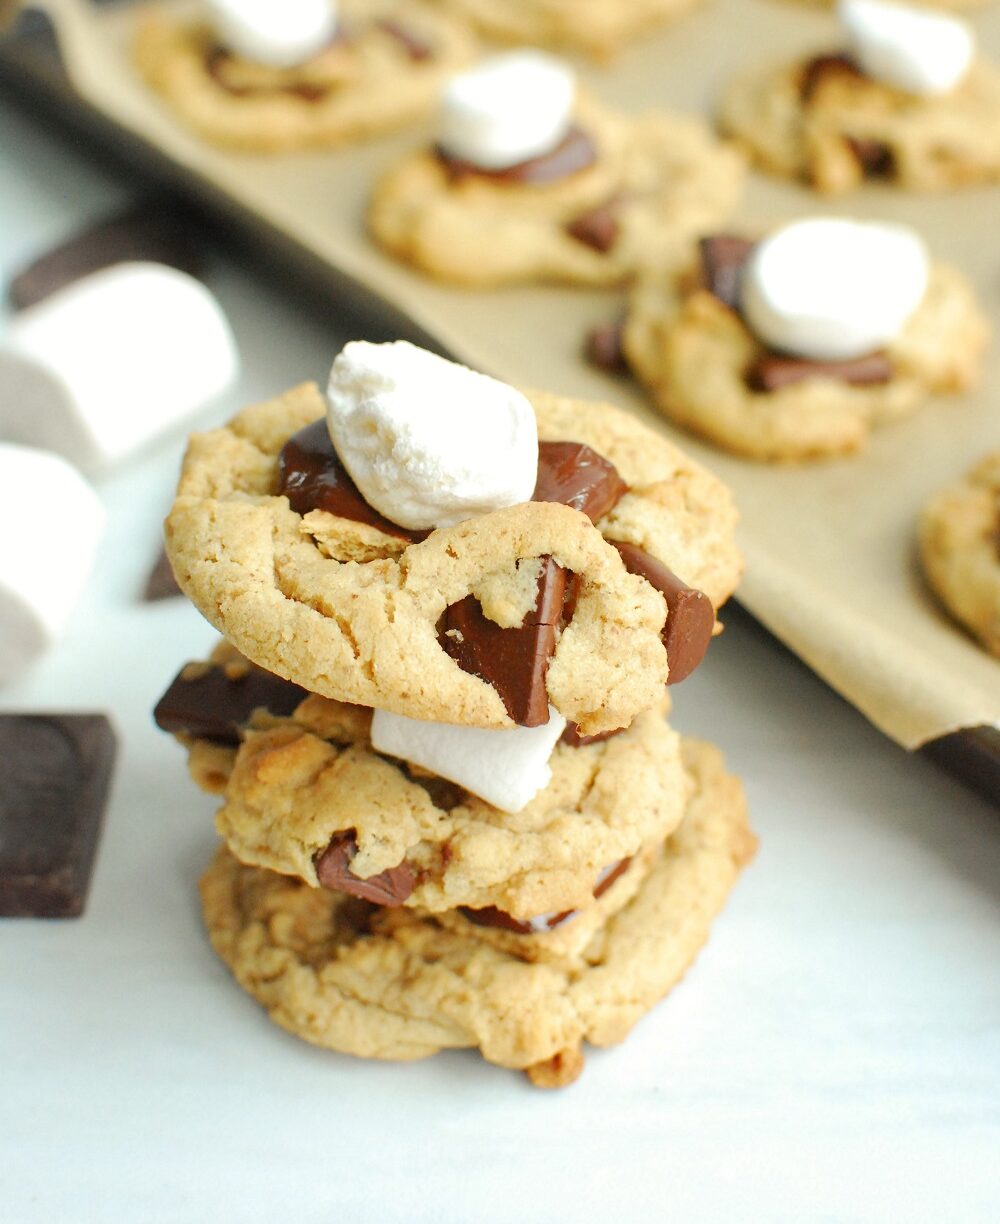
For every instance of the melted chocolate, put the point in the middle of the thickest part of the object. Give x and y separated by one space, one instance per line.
723 258
210 704
575 475
490 916
771 372
575 152
597 229
875 158
390 887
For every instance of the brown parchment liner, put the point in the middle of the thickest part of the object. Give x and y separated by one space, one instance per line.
829 546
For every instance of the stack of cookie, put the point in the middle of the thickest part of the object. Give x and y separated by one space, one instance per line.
453 812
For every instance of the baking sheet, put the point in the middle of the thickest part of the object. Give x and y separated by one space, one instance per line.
829 546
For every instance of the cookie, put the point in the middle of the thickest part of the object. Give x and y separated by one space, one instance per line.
825 122
383 70
960 550
296 786
390 984
702 366
648 182
588 27
351 612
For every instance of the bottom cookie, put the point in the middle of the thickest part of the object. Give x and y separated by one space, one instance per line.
390 984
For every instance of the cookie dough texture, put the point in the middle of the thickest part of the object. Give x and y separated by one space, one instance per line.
390 984
664 177
365 631
598 28
960 550
371 83
692 352
934 143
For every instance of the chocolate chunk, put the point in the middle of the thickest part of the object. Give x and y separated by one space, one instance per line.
415 47
610 877
490 916
572 737
597 229
390 887
513 661
875 158
823 68
155 230
312 477
690 615
161 583
56 774
214 703
603 347
575 152
771 372
577 476
723 257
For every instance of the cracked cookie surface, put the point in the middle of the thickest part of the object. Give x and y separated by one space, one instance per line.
394 985
365 631
655 180
367 83
960 550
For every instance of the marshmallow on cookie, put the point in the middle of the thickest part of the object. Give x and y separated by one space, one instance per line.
276 33
910 49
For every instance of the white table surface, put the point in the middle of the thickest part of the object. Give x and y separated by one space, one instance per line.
834 1055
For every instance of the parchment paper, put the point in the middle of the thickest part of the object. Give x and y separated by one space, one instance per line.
829 546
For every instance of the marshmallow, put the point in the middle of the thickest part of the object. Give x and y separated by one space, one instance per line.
429 443
907 48
278 33
829 289
103 366
506 768
510 109
52 523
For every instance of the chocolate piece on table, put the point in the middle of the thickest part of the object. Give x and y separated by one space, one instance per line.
161 583
576 151
575 475
312 477
723 257
690 615
514 661
216 703
772 371
415 47
822 68
597 229
875 158
56 775
390 887
603 347
154 230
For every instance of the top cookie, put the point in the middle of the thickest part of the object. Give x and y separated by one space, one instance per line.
351 612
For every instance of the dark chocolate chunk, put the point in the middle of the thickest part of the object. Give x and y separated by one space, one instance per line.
723 257
56 775
572 737
490 916
577 476
772 371
514 661
690 615
390 887
415 47
214 703
875 158
575 152
603 347
157 230
161 583
597 229
823 68
312 477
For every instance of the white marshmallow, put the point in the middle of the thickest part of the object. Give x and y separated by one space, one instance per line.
506 768
105 365
429 443
907 48
52 521
830 289
278 33
508 110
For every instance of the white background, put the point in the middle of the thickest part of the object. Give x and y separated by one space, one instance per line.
834 1054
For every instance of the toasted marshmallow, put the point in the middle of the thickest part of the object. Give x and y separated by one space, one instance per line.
429 443
506 768
510 109
52 523
830 289
105 365
907 48
278 33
